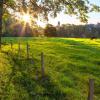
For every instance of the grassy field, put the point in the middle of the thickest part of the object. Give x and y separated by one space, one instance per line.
69 64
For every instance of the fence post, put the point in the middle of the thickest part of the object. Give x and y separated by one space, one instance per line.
19 49
36 74
42 65
27 50
91 89
0 43
11 45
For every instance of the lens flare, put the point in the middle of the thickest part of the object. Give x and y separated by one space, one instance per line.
26 18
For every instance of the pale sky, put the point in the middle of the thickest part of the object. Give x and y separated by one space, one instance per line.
64 19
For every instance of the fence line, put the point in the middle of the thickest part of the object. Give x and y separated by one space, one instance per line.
91 81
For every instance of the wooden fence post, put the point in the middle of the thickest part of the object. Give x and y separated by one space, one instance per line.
19 49
27 50
11 45
37 74
42 65
0 44
91 89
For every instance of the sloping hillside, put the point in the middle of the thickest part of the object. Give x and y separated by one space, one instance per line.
69 64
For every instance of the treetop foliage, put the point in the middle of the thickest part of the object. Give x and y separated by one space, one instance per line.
80 8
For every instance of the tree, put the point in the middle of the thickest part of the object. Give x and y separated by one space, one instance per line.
1 14
3 5
50 31
80 8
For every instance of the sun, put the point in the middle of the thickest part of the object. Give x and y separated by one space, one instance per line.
26 18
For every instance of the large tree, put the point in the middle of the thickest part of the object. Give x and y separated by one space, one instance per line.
36 8
4 6
1 13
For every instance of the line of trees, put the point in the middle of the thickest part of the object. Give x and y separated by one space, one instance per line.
15 28
68 30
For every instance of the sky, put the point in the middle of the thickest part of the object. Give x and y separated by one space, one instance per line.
64 19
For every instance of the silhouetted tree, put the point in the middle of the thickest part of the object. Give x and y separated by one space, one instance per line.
50 31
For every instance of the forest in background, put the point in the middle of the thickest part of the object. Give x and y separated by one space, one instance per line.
10 29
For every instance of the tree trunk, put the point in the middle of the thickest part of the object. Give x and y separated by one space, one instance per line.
1 14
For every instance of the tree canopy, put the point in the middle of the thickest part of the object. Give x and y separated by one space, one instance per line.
80 8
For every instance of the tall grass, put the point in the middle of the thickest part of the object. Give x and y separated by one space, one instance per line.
69 64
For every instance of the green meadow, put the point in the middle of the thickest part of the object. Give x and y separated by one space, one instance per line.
69 64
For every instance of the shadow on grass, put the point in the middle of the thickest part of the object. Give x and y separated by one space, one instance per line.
23 79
